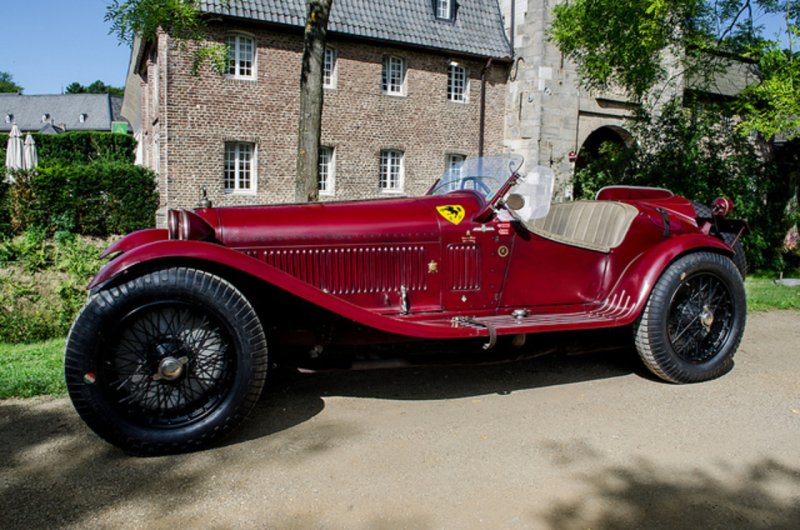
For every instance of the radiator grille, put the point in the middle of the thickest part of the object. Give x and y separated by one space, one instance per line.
353 270
464 264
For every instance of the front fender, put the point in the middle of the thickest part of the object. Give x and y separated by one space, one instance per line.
136 239
640 276
199 251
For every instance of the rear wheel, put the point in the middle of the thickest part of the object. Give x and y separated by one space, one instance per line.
167 362
694 319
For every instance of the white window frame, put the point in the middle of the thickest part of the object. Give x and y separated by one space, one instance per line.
390 85
457 83
451 163
392 171
233 178
327 171
330 68
443 9
236 48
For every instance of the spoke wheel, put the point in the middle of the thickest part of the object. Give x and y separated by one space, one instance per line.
168 362
694 319
700 318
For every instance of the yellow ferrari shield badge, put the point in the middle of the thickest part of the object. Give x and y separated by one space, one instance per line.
452 212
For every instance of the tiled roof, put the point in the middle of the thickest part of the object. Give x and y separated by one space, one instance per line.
477 30
64 110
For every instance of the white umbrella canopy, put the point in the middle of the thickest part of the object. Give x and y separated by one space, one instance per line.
14 148
29 157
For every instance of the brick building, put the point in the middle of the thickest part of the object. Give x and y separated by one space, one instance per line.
402 99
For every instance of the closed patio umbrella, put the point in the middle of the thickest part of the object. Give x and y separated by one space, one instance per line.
29 157
14 148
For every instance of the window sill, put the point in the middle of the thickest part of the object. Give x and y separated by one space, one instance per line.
250 79
238 193
394 94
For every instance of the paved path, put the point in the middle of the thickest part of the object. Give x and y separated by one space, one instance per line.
585 441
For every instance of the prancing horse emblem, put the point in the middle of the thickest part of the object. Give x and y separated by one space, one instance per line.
452 212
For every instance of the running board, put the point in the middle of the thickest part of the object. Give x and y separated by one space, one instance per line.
615 311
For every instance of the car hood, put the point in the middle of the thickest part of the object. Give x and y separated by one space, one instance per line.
370 221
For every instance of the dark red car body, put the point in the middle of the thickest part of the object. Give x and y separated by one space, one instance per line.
458 264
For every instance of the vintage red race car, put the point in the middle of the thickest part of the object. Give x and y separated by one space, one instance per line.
170 351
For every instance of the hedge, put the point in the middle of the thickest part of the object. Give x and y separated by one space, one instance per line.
100 198
79 147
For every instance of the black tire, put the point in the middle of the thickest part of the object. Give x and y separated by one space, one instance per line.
167 362
739 257
694 319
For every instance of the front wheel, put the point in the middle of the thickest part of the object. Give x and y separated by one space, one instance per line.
694 319
167 362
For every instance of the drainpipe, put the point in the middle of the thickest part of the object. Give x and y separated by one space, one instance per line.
482 130
513 23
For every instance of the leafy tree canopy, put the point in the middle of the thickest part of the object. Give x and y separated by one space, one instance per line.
7 84
180 18
98 87
630 45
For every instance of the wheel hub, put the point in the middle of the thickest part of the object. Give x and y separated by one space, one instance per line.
170 368
707 318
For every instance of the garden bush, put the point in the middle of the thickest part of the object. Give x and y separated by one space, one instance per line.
80 147
43 283
698 153
98 199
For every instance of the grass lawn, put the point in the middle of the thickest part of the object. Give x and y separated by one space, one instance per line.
28 370
763 294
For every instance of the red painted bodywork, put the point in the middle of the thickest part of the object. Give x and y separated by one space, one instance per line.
400 267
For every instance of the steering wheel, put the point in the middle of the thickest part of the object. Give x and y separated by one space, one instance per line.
478 183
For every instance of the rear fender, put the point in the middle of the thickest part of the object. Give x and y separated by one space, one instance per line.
640 276
195 253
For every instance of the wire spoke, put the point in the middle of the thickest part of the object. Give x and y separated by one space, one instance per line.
181 332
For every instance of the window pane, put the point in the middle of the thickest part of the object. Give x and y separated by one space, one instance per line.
328 65
241 55
456 83
393 74
238 167
326 169
443 9
391 175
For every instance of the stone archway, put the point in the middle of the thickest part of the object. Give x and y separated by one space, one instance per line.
590 151
591 146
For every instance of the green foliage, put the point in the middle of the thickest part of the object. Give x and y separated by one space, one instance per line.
772 107
84 147
623 44
43 283
619 42
7 84
79 147
180 18
28 370
98 87
100 198
698 153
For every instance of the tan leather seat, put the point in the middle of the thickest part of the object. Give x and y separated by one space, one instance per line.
593 225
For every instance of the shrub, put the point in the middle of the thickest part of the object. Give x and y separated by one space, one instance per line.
698 153
43 283
100 198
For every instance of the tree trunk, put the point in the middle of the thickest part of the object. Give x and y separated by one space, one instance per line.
310 127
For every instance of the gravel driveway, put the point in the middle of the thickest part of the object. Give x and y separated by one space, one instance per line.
587 441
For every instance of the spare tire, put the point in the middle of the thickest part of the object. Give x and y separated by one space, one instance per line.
730 239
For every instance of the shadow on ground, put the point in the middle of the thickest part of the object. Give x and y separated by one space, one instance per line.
644 495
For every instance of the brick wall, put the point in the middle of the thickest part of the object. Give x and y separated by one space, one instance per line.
197 115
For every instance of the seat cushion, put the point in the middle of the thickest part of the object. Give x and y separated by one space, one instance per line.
593 225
